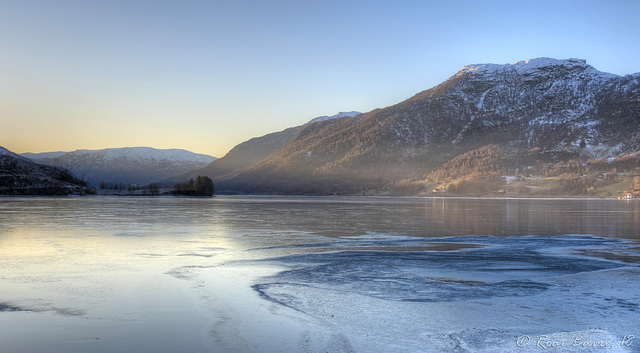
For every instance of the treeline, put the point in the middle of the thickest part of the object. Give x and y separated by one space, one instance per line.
629 163
477 184
117 186
151 189
486 160
201 186
478 171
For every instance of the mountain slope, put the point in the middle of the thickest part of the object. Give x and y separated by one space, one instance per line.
241 156
544 103
42 157
21 176
339 115
129 165
250 152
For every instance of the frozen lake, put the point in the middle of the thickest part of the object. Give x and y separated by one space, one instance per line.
318 274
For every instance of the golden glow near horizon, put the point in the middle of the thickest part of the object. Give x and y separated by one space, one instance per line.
205 76
59 125
47 132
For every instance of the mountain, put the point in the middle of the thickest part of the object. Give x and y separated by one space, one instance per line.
43 156
128 165
6 153
241 156
250 152
339 115
21 176
542 104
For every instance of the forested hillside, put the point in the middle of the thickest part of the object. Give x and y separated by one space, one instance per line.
478 132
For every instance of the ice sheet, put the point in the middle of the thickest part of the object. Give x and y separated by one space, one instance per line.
474 300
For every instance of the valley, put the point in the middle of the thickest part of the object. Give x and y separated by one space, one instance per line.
540 127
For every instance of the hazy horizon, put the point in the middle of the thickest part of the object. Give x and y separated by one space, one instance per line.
98 149
205 77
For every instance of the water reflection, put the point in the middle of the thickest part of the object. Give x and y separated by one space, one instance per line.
436 217
328 216
514 217
176 274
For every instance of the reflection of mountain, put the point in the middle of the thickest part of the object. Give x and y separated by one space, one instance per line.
513 217
21 176
556 106
130 165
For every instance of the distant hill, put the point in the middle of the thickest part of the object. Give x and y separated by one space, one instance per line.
44 156
249 153
128 165
21 176
241 156
557 108
339 115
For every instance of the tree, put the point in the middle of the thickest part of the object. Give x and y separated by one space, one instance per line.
202 186
154 189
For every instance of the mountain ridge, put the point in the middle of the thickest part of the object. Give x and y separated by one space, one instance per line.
483 122
252 151
128 165
538 103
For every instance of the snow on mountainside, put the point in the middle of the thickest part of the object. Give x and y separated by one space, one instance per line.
339 115
534 66
538 104
43 156
6 152
129 165
148 154
542 101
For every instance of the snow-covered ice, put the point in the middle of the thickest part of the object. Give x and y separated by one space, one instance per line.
471 300
334 274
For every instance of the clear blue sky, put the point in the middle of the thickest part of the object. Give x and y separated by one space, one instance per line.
207 75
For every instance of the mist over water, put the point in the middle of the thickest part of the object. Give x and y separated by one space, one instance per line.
290 274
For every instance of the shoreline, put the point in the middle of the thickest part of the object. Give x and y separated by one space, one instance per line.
439 196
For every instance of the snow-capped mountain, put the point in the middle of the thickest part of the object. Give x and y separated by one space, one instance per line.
128 165
339 115
539 102
545 103
549 102
43 156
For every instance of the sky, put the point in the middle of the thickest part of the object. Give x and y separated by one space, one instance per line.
207 75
